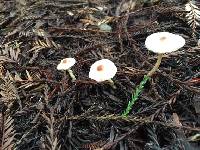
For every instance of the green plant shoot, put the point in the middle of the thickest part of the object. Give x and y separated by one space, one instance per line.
135 95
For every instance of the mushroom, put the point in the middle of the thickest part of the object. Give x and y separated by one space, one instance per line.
163 42
66 64
103 70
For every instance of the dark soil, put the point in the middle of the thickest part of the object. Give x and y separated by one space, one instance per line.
41 108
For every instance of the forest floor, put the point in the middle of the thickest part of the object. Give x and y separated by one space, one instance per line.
41 108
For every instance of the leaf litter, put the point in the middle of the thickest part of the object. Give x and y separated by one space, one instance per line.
42 109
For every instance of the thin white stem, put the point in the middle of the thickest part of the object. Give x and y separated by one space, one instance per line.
156 66
110 81
71 74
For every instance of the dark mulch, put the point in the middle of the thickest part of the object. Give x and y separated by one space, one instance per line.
42 109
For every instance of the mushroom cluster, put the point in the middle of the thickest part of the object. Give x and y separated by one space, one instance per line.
101 70
105 70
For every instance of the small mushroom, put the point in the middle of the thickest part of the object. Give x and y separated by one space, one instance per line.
163 42
103 70
66 64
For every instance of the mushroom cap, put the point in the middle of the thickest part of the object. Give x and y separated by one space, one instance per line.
66 63
102 70
164 42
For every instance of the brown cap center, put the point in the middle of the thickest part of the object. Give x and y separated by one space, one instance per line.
65 61
162 39
100 68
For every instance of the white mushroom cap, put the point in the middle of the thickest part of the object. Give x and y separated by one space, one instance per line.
102 70
164 42
66 63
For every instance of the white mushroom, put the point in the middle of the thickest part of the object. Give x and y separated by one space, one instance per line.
163 42
103 70
66 64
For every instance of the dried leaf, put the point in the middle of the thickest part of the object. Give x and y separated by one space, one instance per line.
8 134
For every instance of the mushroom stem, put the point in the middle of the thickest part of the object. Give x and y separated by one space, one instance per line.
155 68
71 74
110 81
